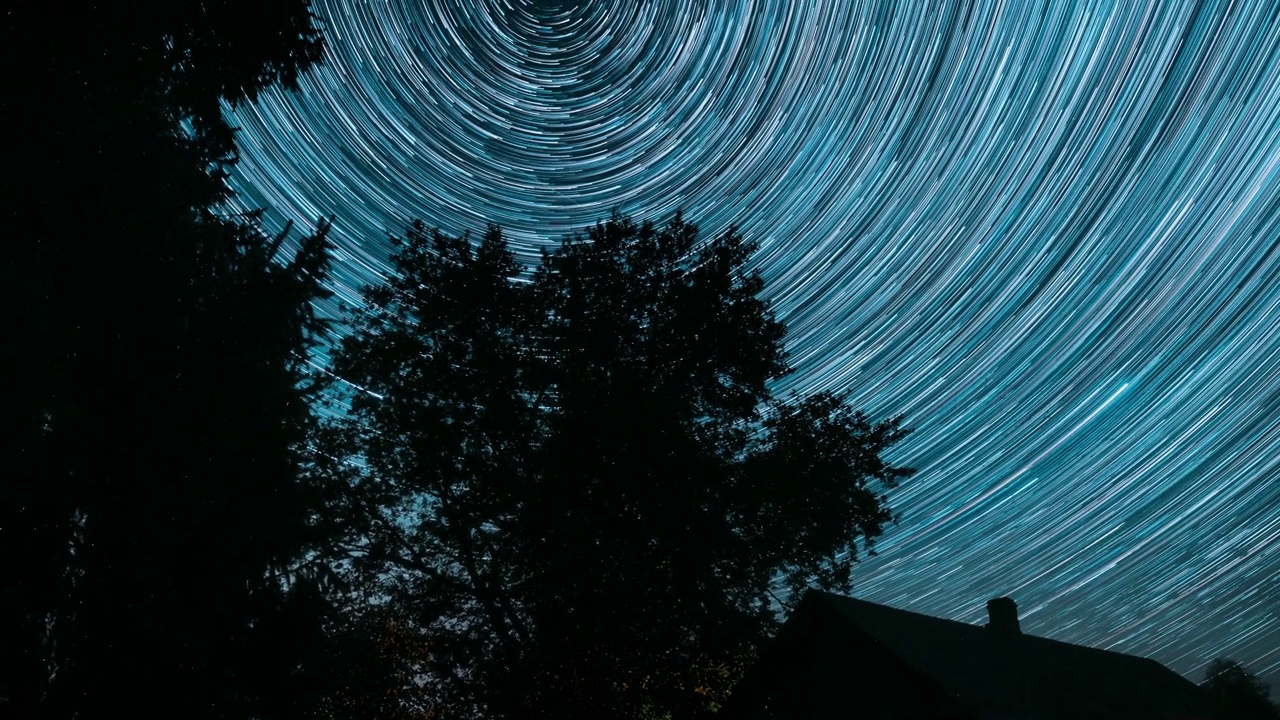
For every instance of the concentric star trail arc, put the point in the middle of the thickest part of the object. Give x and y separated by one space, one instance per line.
1047 233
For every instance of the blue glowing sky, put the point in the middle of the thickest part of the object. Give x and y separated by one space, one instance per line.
1049 237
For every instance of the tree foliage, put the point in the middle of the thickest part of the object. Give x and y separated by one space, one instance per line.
575 480
154 382
1237 692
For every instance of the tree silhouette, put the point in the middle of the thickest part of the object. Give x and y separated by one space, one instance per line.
1237 692
576 481
154 386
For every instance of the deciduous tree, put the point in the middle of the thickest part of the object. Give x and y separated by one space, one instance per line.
577 480
1237 692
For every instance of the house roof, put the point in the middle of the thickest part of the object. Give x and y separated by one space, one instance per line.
1000 674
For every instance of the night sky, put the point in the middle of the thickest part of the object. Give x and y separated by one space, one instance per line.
1049 237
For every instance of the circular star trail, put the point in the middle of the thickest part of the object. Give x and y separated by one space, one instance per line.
1049 234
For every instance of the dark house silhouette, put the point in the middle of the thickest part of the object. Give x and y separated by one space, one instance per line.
837 657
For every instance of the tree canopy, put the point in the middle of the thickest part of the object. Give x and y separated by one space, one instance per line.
1238 692
154 508
575 480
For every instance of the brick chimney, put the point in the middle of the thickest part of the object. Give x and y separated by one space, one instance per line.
1002 616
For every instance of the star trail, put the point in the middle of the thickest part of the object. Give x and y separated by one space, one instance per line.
1049 234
